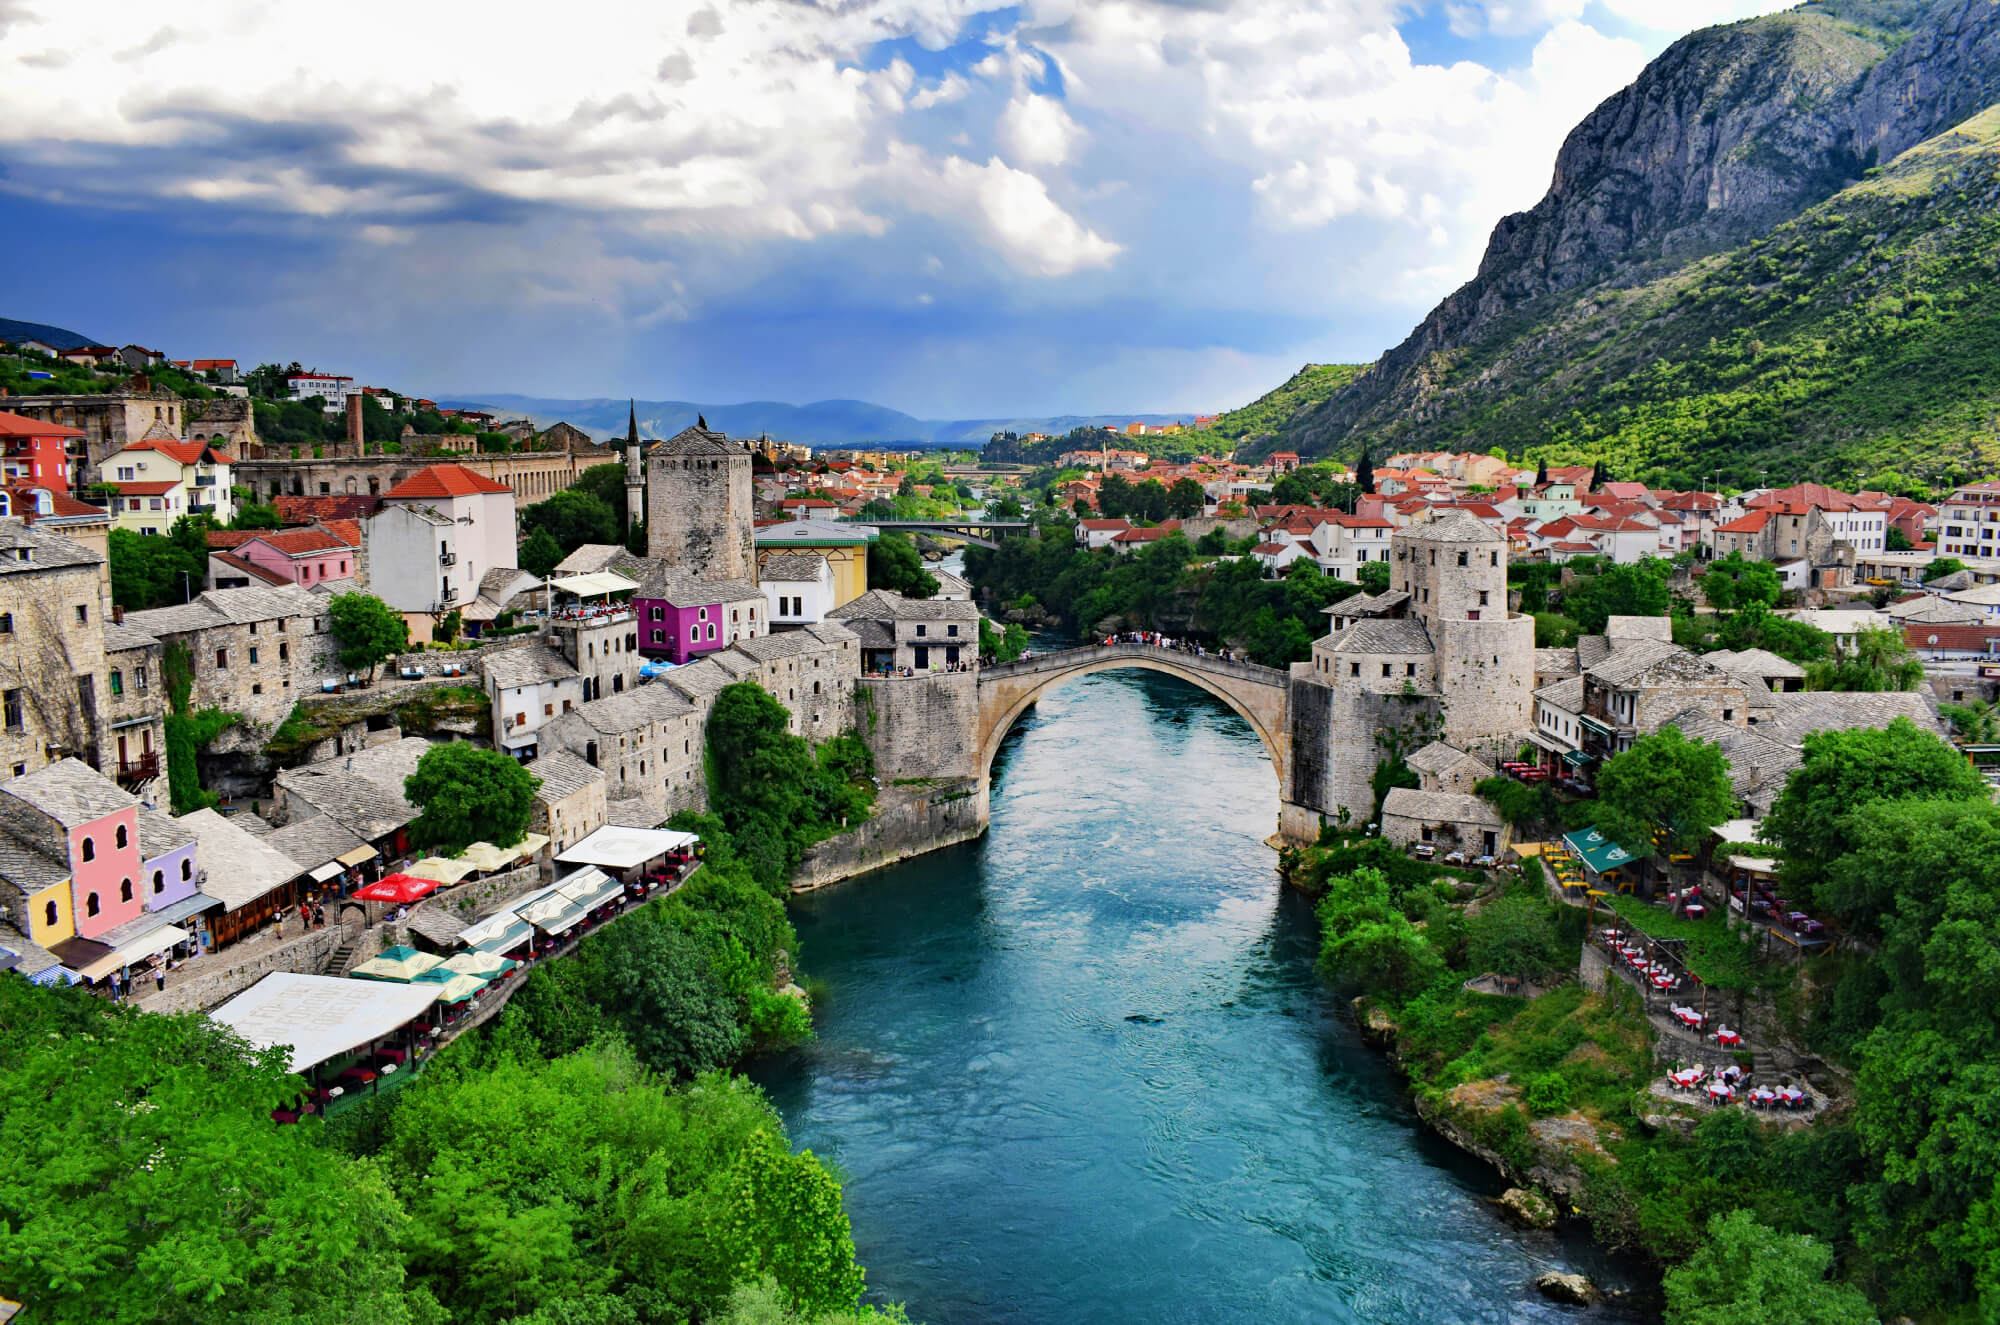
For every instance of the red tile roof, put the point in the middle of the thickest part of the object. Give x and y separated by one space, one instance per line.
15 425
311 510
445 481
347 531
227 539
1918 635
301 542
185 453
60 503
1748 524
250 568
146 489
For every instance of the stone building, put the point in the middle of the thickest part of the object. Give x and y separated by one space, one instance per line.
1448 820
700 509
108 421
603 650
1441 767
253 651
135 711
55 677
899 634
648 745
1436 656
529 686
570 804
811 672
531 476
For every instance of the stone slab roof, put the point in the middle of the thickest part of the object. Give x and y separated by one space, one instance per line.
529 665
1592 650
1754 758
69 791
241 867
122 635
697 680
790 644
1937 611
633 709
1621 628
1630 658
1368 605
1800 713
1758 664
228 607
875 634
886 605
45 550
792 568
1438 757
1454 526
1557 662
697 440
312 841
594 557
562 775
1451 807
362 791
28 868
831 632
1394 635
1566 694
160 833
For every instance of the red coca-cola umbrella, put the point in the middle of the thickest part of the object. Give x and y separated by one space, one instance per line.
402 888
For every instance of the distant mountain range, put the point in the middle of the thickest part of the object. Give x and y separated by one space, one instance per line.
821 423
57 337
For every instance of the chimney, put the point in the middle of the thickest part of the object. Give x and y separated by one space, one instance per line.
117 615
354 432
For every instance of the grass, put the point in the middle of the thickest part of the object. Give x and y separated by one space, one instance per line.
1715 952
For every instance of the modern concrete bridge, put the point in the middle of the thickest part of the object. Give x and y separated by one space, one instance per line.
1257 694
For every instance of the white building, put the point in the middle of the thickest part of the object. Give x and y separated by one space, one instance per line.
798 588
332 391
160 481
437 533
530 686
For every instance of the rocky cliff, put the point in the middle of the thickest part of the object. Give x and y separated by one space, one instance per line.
1731 132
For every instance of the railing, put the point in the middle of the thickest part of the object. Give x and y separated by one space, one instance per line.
141 769
1200 662
448 594
447 558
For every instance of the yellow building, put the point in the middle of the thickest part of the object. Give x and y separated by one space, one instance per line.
845 547
42 883
159 481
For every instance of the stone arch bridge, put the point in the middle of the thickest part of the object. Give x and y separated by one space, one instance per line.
1258 695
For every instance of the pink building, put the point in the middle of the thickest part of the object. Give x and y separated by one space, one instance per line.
303 556
71 811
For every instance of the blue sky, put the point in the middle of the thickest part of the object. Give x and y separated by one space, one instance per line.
948 207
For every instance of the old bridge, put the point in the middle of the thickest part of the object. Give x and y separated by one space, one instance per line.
1257 694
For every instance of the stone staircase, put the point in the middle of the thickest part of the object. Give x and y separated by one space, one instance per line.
345 957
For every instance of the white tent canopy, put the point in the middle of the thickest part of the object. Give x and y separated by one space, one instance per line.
318 1016
617 848
595 584
135 950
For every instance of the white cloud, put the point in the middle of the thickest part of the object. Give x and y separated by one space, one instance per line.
1013 210
1037 130
1687 15
1511 17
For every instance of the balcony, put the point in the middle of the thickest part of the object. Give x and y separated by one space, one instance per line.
204 481
448 594
144 768
447 558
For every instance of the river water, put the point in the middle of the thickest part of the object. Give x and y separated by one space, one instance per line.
1081 1070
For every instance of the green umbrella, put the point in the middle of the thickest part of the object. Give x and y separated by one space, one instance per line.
397 964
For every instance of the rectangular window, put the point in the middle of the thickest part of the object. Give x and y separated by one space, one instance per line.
920 630
139 679
82 615
284 652
12 700
222 658
253 655
117 682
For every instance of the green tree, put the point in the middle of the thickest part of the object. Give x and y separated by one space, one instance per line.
1369 944
1291 490
1639 589
1664 787
1553 630
149 572
541 553
607 484
1186 499
573 518
1002 645
1845 770
152 1186
1515 935
1746 1273
1897 540
1733 582
1364 472
1879 660
1374 577
1941 567
1114 497
367 630
894 563
469 795
665 998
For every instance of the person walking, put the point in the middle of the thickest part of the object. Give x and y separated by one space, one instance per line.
115 978
319 915
160 977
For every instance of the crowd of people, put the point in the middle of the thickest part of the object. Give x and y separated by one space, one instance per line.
1157 640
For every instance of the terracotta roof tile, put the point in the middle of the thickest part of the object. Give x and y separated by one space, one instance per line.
445 481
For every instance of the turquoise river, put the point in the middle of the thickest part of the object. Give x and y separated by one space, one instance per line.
1082 1070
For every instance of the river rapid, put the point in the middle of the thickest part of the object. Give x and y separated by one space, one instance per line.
1081 1070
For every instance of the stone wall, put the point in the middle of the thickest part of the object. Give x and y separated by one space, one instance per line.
1486 673
1241 527
215 978
533 475
908 821
700 513
920 726
231 420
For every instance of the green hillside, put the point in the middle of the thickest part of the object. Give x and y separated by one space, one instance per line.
1272 411
1858 341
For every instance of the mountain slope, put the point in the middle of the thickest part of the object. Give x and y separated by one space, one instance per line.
1732 131
822 423
1860 340
58 337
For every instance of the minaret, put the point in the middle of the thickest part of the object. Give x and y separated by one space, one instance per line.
635 471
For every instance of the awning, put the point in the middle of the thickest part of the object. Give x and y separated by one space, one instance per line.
1599 852
320 1017
1575 758
1754 864
170 914
56 975
396 964
331 870
440 869
358 856
1594 724
505 940
137 950
619 848
594 584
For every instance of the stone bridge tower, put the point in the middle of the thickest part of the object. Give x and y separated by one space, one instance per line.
700 513
1454 568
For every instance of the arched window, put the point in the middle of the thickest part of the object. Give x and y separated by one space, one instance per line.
89 851
90 904
49 914
124 890
122 837
187 870
159 882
